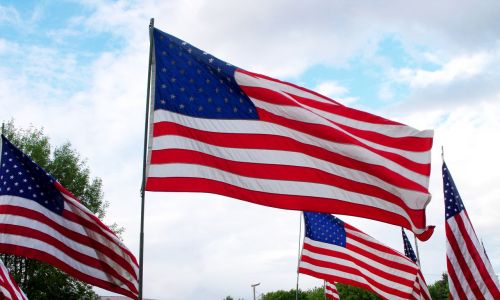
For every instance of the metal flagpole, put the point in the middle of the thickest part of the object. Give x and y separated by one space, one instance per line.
324 289
298 259
416 248
143 185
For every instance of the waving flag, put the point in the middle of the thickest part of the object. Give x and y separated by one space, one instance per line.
8 286
470 273
220 129
421 291
40 219
337 252
331 291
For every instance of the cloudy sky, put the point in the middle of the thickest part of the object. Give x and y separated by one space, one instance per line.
79 70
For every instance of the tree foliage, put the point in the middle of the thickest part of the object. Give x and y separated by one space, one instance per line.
440 289
40 280
346 292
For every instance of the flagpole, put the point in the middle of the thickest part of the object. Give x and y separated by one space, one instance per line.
143 185
416 248
298 258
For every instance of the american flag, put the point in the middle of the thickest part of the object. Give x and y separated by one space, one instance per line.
331 291
420 291
220 129
470 273
337 252
40 219
8 286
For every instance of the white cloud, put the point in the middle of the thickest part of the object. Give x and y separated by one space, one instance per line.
199 245
459 68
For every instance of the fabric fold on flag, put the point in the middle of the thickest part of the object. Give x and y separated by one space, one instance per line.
331 291
40 219
470 273
421 290
8 286
220 129
338 252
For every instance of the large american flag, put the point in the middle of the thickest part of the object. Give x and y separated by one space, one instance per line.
420 291
470 273
331 291
220 129
40 219
8 286
337 252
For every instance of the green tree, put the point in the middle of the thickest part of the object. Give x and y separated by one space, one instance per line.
346 292
40 280
440 289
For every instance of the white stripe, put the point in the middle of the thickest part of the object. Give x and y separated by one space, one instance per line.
380 266
385 255
103 236
385 129
479 248
61 256
413 199
348 276
464 283
464 252
9 282
246 80
260 127
283 187
5 292
73 244
303 115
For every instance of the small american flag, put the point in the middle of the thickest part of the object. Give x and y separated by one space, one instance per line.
337 252
421 291
331 291
8 286
40 219
219 129
470 273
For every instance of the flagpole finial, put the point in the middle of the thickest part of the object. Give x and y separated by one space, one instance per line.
442 153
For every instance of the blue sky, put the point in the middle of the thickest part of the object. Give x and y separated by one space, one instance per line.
79 69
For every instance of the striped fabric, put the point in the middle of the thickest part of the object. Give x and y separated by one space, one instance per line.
421 290
40 219
337 252
331 291
470 273
8 286
220 129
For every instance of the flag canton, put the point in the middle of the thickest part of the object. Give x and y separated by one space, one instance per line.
21 177
452 200
325 228
408 248
192 82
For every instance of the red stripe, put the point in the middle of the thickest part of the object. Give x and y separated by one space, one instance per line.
277 172
453 279
331 134
335 278
81 258
354 271
97 226
363 265
256 75
373 244
461 261
67 233
272 142
5 283
314 204
409 143
476 257
50 259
